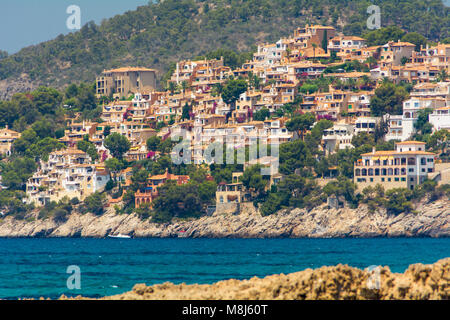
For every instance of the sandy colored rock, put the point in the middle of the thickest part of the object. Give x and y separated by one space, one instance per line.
418 282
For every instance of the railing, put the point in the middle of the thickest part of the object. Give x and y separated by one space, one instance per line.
380 165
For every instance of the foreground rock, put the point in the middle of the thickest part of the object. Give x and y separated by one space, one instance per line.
430 220
419 282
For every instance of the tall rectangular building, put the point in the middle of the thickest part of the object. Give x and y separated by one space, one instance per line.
124 81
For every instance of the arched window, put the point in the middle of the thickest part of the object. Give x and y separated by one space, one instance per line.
370 172
357 172
390 172
364 172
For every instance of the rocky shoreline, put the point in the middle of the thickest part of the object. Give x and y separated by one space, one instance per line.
418 282
428 220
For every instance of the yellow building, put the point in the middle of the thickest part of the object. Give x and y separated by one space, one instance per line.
405 167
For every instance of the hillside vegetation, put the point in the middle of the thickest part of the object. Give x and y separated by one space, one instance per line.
159 34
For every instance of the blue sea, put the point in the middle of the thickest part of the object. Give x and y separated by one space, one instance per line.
32 268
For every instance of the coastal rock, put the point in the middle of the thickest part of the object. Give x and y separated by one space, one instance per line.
429 220
418 282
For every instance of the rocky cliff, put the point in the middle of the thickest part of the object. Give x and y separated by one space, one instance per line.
9 87
418 282
429 220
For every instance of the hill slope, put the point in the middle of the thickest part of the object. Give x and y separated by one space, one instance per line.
158 34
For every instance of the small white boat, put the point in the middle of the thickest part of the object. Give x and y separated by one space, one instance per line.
119 236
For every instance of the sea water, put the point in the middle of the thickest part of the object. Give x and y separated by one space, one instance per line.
33 268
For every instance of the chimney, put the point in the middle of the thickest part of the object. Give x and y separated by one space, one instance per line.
373 150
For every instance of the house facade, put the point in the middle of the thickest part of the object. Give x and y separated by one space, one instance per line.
405 167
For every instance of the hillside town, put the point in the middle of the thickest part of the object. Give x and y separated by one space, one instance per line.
315 73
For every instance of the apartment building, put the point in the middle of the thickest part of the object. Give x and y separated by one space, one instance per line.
432 90
123 81
306 69
440 118
366 124
67 173
436 56
401 127
338 137
405 167
346 44
393 52
330 104
358 54
200 75
359 103
116 111
412 73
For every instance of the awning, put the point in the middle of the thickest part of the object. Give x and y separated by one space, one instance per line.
383 158
375 158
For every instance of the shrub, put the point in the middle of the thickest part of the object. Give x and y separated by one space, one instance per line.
74 201
144 211
94 204
60 215
399 201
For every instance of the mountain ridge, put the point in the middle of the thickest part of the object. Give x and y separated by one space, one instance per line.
159 34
